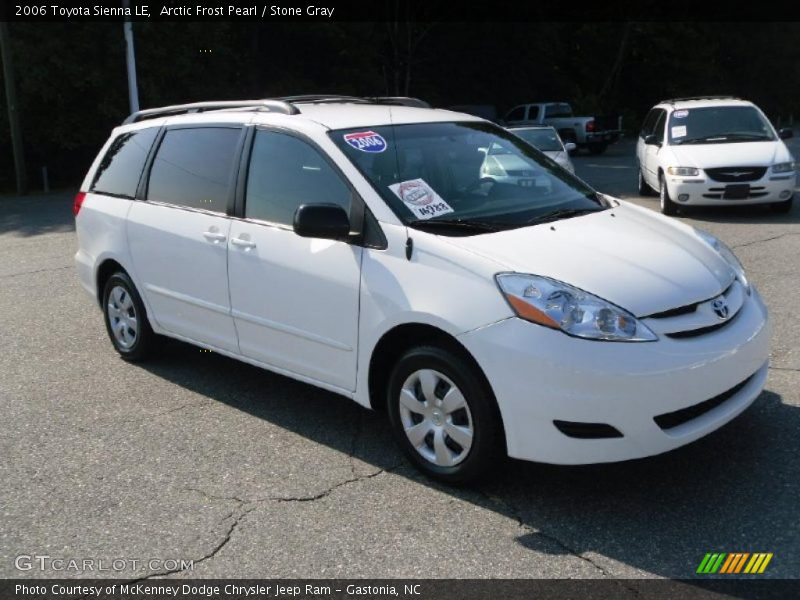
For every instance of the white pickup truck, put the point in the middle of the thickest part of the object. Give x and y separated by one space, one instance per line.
593 133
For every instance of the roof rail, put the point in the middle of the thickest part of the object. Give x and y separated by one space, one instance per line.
334 98
195 107
709 97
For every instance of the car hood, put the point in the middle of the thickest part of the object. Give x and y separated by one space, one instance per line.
631 256
740 154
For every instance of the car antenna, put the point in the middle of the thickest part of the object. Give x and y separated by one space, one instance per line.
409 247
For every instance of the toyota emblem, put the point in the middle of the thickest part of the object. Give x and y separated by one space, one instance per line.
720 308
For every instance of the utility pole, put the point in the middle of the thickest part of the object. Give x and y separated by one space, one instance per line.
130 60
13 115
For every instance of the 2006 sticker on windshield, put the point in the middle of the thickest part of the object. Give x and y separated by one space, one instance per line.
421 199
366 141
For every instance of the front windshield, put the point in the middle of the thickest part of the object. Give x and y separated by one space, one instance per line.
718 125
546 140
472 175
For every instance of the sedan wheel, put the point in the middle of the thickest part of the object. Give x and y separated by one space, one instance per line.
122 317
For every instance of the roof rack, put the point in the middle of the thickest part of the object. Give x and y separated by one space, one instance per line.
336 98
710 97
284 105
196 107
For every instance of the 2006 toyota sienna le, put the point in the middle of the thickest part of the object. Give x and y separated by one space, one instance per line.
371 247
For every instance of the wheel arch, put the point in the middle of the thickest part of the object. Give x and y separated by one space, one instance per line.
401 338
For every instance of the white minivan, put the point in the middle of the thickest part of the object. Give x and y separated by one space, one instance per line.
714 151
357 245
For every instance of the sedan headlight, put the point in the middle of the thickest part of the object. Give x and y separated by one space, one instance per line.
783 167
727 255
561 306
683 171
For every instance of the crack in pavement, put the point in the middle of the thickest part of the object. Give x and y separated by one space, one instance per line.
514 512
769 239
784 369
236 517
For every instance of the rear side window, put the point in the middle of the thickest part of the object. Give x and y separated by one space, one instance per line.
121 167
286 172
194 167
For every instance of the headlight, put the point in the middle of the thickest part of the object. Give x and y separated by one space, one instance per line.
727 255
783 167
560 306
683 171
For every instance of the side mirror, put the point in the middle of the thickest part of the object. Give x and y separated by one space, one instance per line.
570 147
785 134
325 221
652 140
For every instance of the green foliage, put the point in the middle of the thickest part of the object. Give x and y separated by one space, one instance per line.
72 85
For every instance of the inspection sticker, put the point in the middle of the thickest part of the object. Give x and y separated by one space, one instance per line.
366 141
421 199
680 114
679 131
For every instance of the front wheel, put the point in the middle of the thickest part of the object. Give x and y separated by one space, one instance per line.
443 415
126 320
668 207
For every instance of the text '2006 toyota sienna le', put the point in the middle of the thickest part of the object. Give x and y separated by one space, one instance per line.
365 246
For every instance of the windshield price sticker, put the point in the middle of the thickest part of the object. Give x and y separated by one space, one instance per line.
366 141
421 199
680 114
679 131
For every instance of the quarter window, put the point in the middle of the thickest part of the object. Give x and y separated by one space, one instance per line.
286 172
194 167
121 167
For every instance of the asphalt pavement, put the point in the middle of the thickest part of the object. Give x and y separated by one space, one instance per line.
197 457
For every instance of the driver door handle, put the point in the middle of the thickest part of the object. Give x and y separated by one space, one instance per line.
243 243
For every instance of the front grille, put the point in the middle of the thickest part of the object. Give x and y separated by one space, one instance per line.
717 193
587 431
678 335
736 174
671 420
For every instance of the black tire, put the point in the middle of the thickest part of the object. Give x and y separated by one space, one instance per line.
668 207
597 147
143 340
644 189
487 446
782 207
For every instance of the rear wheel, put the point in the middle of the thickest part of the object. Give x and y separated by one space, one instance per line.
126 320
443 416
668 207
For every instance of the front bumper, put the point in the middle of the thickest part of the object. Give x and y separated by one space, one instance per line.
704 191
540 375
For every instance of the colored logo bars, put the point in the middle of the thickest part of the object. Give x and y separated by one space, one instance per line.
734 562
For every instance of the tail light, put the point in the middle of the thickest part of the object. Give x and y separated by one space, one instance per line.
78 202
590 126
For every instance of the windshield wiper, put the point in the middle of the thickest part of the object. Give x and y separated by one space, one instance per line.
456 224
724 137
